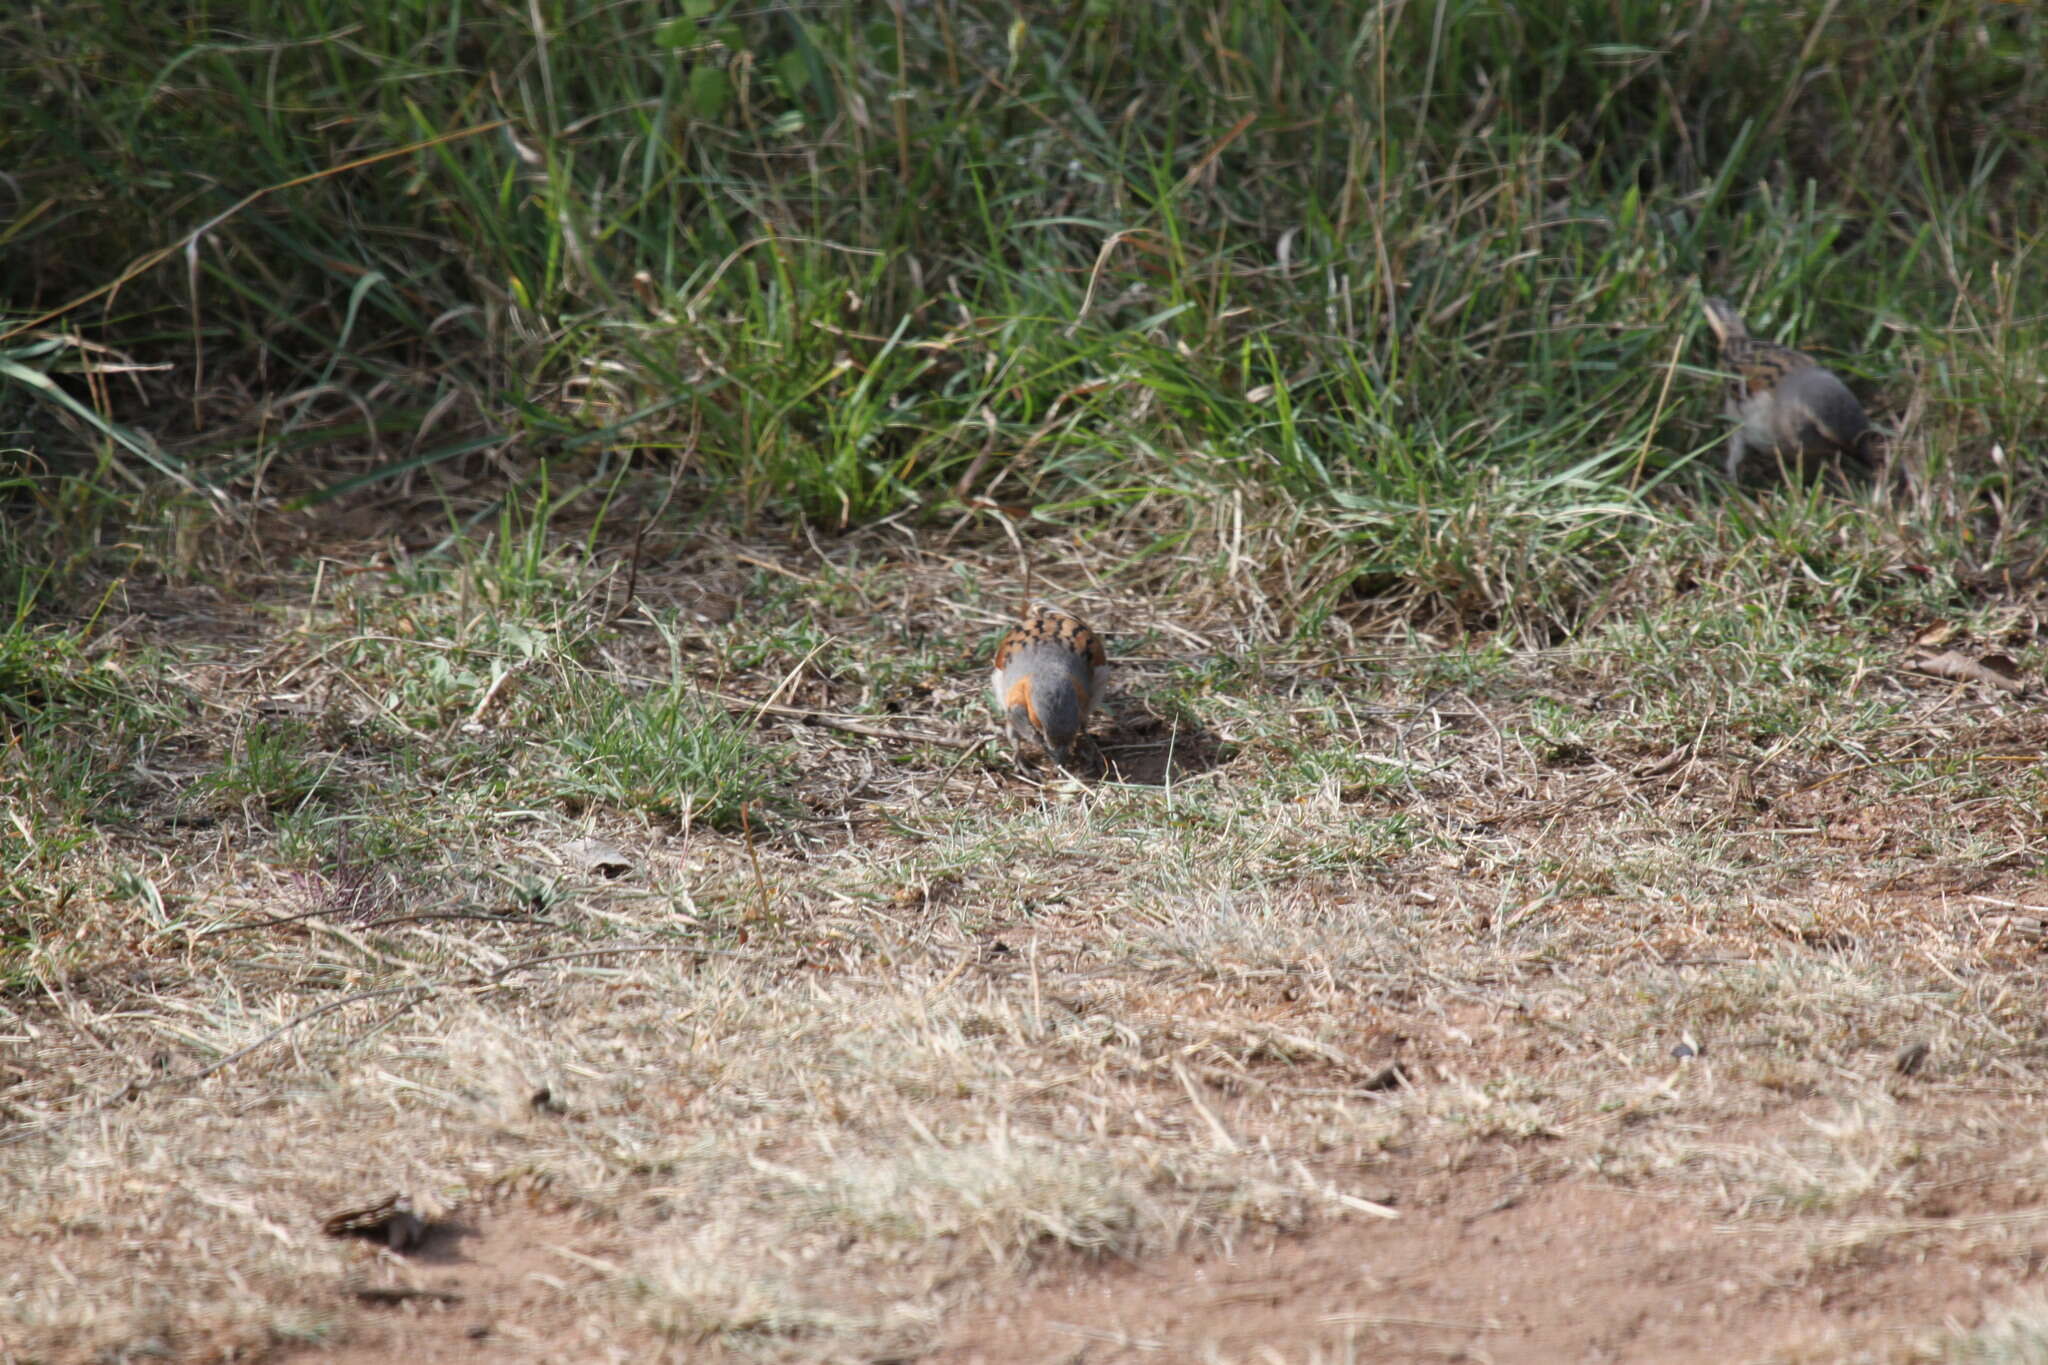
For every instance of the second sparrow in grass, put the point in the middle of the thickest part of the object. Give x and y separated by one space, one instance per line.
1789 404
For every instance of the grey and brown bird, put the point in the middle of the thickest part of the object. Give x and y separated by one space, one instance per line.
1048 673
1789 405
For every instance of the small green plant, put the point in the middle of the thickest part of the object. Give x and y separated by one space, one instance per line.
669 752
269 768
45 678
67 727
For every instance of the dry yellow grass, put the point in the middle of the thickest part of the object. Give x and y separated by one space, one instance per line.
1407 936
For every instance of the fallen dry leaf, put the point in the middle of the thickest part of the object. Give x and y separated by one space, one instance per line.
1993 670
595 855
1935 636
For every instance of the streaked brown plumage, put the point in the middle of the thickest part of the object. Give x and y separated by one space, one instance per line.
1789 405
1048 673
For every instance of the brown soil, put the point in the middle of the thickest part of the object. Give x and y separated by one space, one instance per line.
1483 1272
508 1284
1476 1267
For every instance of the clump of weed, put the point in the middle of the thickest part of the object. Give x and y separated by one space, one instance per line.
270 768
45 678
668 752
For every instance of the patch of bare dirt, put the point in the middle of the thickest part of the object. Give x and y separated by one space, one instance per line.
1145 750
500 1284
1490 1271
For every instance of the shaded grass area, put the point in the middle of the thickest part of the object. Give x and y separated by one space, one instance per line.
1420 279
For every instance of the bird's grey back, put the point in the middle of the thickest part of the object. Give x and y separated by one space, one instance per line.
1819 412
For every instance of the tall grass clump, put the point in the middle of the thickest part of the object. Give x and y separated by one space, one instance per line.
1424 274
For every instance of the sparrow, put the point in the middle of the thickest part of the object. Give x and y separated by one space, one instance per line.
1048 672
1789 404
